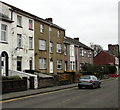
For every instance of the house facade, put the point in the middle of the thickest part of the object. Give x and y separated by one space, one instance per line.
17 39
77 55
49 46
105 58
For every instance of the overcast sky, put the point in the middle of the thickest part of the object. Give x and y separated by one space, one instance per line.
93 21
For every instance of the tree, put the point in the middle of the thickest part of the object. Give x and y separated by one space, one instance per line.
97 48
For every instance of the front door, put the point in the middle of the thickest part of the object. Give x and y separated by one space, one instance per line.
3 61
4 64
51 66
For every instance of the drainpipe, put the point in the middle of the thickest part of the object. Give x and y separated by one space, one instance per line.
49 49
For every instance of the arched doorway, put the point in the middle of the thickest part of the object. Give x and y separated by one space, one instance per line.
4 64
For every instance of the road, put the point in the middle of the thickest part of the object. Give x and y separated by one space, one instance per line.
104 97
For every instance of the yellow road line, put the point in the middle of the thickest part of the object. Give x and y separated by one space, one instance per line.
10 100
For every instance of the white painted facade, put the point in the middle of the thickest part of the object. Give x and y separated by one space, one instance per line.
10 45
72 57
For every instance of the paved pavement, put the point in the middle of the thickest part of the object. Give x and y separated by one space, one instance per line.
38 91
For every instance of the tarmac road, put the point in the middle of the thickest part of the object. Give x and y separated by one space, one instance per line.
104 97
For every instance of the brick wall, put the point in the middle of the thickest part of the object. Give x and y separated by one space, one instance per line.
104 58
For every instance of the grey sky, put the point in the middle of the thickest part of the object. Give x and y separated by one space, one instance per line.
93 21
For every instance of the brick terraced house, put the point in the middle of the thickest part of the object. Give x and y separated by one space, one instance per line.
76 55
49 46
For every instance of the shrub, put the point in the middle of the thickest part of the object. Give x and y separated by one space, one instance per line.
16 77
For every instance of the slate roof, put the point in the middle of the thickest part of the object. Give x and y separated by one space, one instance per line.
15 9
76 42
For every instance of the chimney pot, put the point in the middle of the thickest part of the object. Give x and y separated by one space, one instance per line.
49 20
77 38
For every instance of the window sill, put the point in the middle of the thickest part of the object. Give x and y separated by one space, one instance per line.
31 49
4 42
30 29
19 48
43 69
43 50
59 52
59 68
19 26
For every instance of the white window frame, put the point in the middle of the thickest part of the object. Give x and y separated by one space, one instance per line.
58 33
59 48
85 53
30 42
72 65
51 47
30 24
81 52
19 40
42 63
19 61
41 28
72 50
19 20
59 64
50 29
65 49
90 54
3 37
42 44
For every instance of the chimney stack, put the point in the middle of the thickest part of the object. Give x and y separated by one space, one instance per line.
49 20
77 38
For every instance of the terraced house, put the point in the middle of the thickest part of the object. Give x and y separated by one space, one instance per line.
77 55
49 46
16 39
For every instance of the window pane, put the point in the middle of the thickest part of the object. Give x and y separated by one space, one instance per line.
41 28
19 20
30 24
19 63
3 36
42 63
42 44
59 64
58 33
30 43
59 48
51 47
4 27
19 40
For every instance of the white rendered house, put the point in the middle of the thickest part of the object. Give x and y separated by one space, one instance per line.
16 39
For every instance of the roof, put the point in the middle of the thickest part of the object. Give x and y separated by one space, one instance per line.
105 51
76 42
15 9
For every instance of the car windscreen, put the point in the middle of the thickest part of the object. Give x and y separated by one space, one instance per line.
85 77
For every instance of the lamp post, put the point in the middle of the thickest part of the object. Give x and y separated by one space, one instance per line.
102 72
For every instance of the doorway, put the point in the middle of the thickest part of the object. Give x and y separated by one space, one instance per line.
4 64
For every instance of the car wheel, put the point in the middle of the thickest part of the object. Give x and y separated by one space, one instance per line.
79 87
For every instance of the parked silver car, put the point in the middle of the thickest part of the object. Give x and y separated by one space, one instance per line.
88 81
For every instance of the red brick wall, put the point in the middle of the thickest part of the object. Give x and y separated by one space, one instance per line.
104 58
